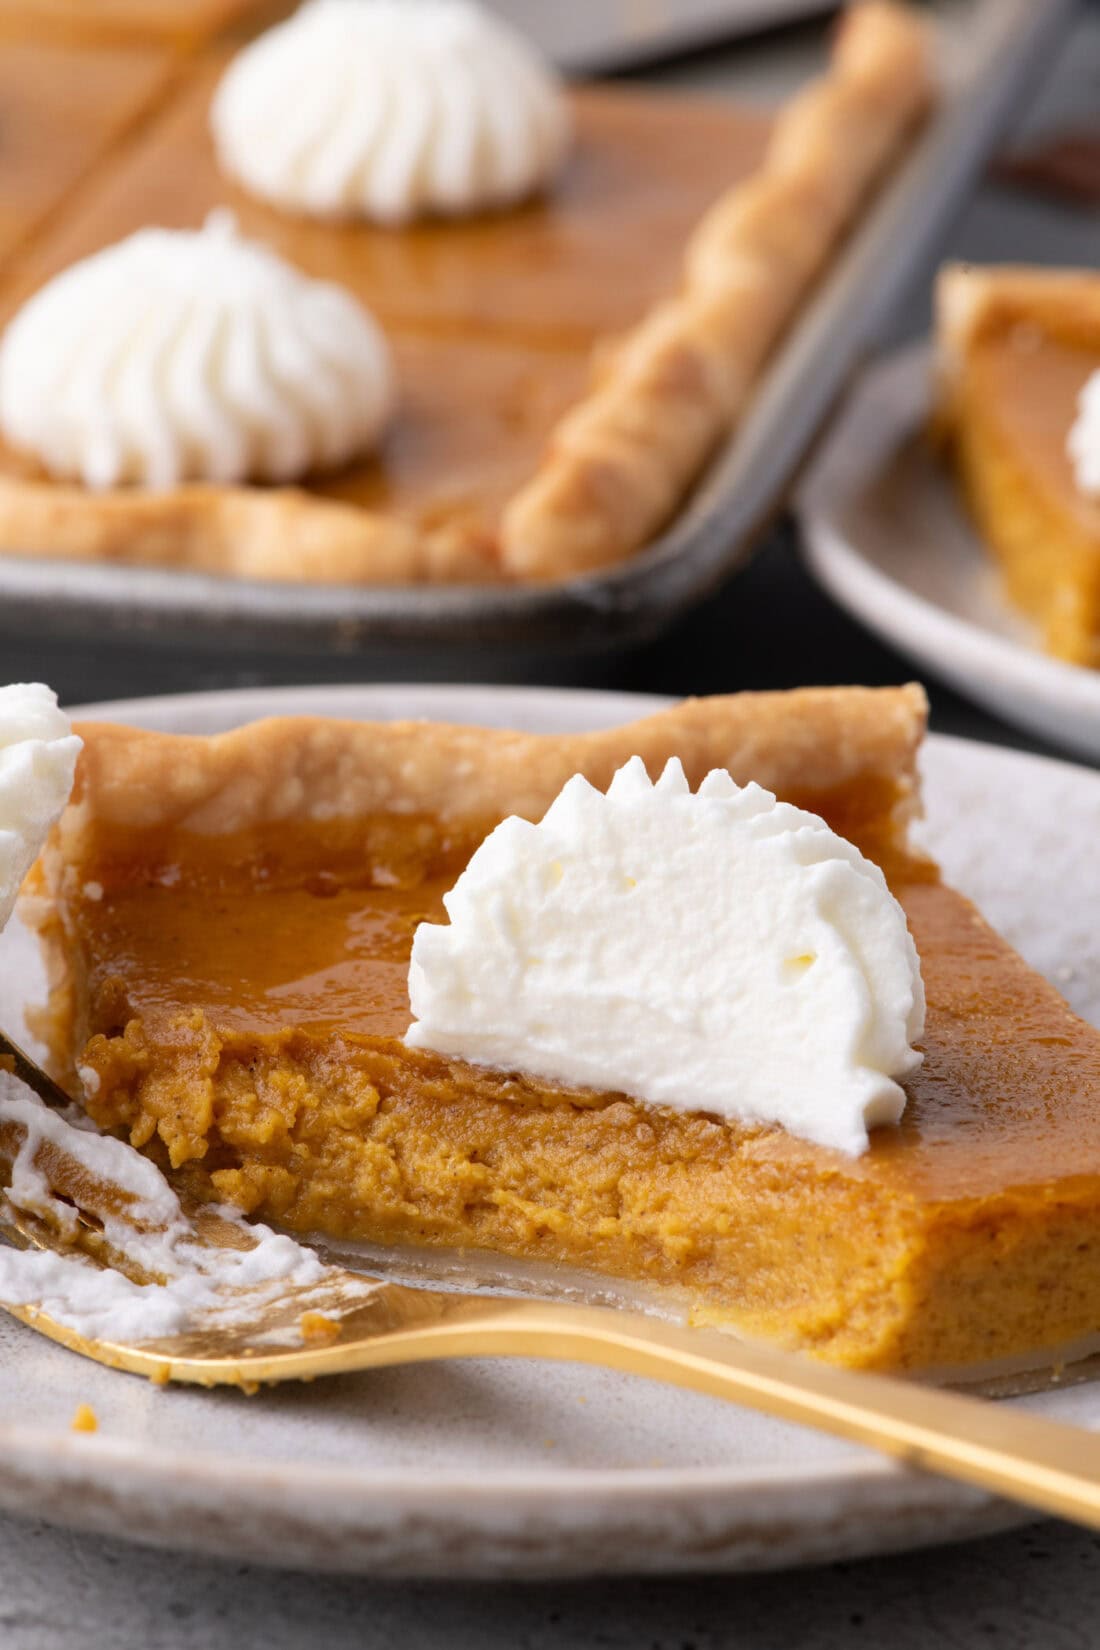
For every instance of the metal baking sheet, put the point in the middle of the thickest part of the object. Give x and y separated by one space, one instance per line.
994 49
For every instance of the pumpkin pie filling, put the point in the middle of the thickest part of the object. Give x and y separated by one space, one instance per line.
1011 455
235 1001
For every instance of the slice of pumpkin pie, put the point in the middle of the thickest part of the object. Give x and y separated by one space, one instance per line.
671 1037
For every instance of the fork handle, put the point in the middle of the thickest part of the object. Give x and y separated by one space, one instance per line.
1048 1465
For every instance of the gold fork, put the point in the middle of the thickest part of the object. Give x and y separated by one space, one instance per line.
1044 1464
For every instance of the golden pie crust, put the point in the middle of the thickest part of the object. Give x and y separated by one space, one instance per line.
543 432
227 923
1015 347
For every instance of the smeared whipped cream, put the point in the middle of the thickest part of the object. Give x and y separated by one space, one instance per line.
717 951
38 752
211 1286
391 110
178 356
1083 441
38 755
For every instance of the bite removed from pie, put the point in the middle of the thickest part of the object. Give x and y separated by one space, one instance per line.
228 924
1017 347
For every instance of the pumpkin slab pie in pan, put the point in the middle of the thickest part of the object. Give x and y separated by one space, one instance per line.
758 1063
575 294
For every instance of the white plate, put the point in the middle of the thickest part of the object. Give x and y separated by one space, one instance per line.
505 1468
886 536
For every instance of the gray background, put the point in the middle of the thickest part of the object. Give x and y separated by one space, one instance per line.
1037 1590
1034 1590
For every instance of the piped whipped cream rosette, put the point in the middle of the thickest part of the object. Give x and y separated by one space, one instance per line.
717 950
180 355
390 110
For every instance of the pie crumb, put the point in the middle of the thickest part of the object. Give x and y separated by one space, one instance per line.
315 1326
85 1419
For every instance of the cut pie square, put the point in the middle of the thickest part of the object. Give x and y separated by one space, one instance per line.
228 924
1016 346
564 369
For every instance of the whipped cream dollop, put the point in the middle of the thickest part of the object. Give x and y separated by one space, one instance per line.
177 355
715 951
1083 441
38 752
390 110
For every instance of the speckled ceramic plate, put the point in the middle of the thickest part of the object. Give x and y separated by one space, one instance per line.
512 1468
886 535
